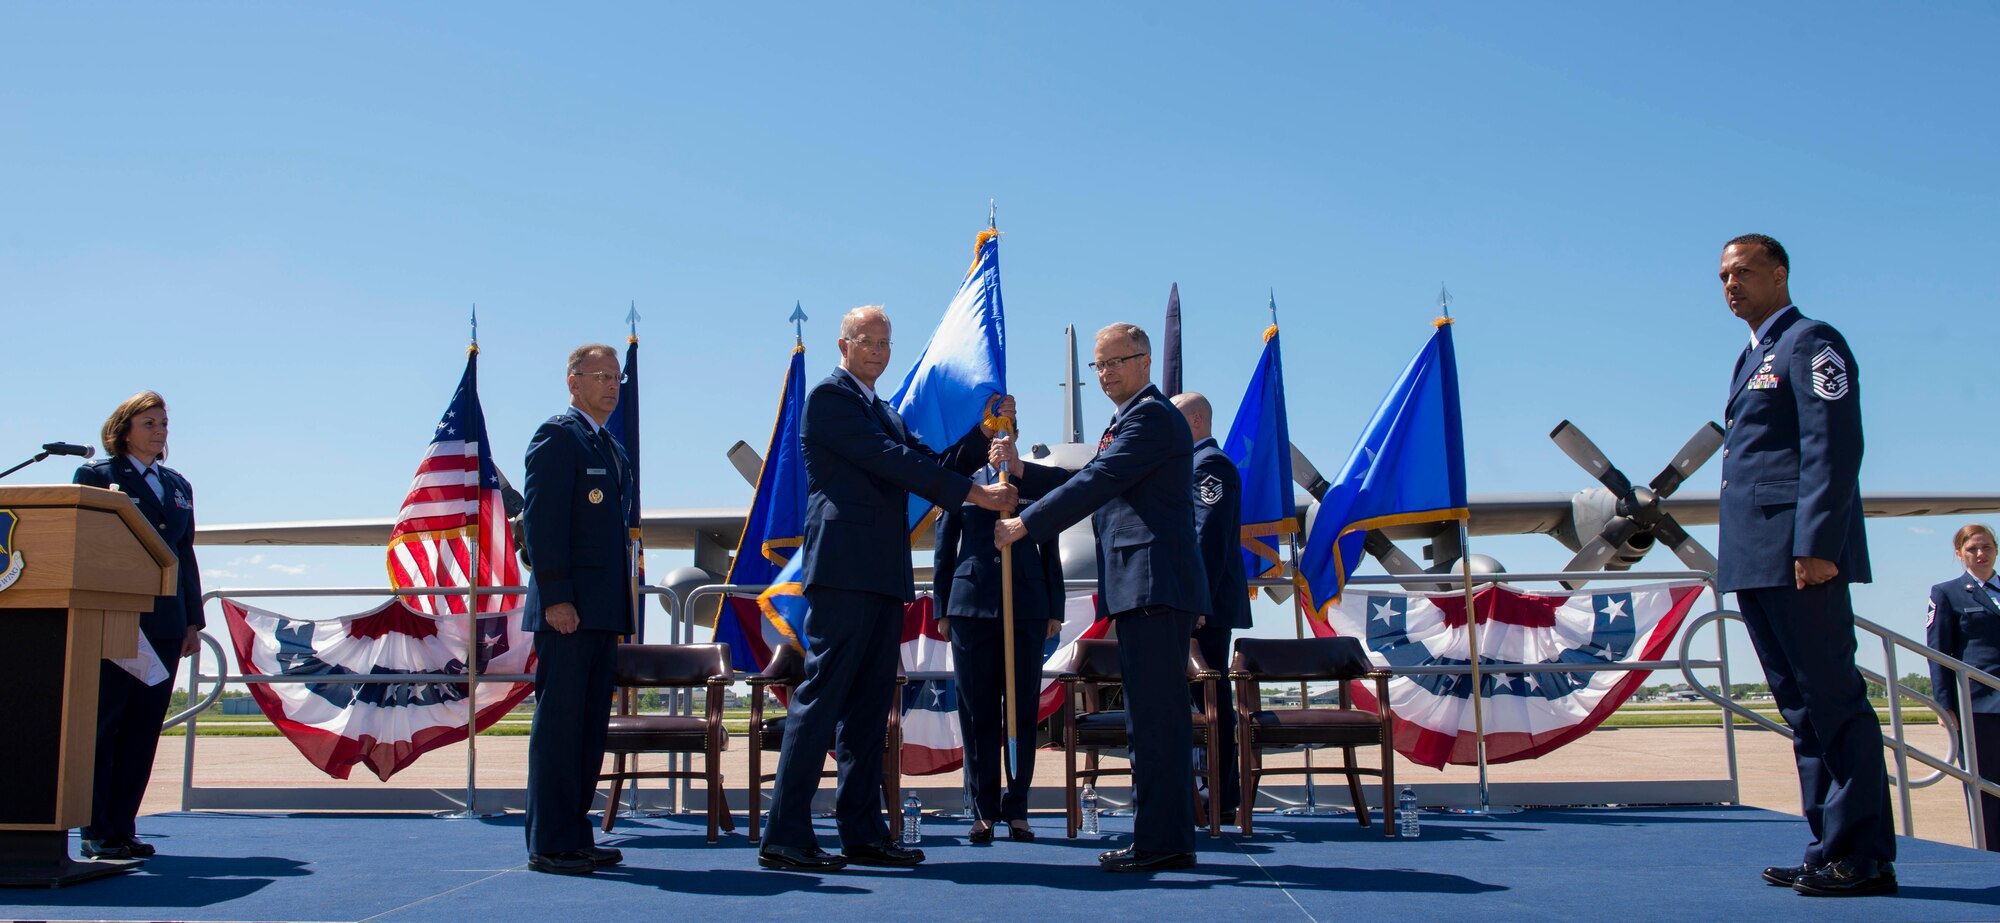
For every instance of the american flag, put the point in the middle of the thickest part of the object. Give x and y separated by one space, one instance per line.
455 496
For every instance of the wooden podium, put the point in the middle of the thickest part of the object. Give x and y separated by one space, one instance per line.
88 565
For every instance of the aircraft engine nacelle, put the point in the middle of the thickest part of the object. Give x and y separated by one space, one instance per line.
1629 554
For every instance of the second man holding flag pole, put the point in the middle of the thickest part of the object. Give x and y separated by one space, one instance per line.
1151 582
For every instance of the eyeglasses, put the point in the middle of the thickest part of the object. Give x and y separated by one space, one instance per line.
867 342
1114 363
602 378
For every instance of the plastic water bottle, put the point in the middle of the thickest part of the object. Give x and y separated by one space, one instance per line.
1089 809
913 819
1406 814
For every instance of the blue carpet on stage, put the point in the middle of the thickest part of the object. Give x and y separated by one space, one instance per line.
1583 864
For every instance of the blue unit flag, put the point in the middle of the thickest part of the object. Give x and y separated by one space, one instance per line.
962 368
1407 467
1260 443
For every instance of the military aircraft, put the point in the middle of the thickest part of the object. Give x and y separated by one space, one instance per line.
1610 526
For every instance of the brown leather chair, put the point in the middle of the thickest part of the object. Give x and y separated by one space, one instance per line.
767 735
670 666
1274 660
1090 727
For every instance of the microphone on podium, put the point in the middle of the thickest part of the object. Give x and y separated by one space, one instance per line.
66 448
54 448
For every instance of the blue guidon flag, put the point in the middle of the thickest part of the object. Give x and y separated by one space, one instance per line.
1527 714
11 561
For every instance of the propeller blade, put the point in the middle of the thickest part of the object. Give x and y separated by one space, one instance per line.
1307 474
1691 456
1395 561
1598 551
1585 453
1684 546
748 463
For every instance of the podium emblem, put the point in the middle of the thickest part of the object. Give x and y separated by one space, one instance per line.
10 559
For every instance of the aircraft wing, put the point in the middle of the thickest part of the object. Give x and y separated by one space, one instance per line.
1545 513
660 528
1492 514
1701 509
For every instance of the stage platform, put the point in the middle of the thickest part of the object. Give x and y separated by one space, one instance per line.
1574 864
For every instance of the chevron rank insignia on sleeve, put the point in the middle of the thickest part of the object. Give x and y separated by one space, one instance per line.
1829 375
1208 489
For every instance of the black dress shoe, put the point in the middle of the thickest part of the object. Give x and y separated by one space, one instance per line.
573 862
1021 833
605 856
1151 862
1784 875
1114 855
1848 878
111 849
795 859
139 850
980 835
885 854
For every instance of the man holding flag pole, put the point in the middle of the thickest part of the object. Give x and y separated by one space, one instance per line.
862 464
1151 582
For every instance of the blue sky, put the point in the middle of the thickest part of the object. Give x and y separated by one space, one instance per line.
279 216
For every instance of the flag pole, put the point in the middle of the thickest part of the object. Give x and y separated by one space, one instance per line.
1007 695
471 808
1485 808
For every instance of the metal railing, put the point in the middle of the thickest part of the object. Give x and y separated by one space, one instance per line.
194 796
1679 791
681 630
1961 742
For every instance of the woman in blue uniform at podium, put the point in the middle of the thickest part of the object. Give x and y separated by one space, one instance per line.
1964 622
967 590
129 710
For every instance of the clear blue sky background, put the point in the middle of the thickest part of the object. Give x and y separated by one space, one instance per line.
278 216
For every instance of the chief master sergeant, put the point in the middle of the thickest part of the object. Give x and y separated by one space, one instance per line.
1792 540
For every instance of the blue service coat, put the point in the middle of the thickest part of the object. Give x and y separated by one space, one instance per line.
1791 458
575 494
1139 493
1218 527
967 566
173 518
1964 623
862 465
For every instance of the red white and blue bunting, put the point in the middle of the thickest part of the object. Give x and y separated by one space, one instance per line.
1526 714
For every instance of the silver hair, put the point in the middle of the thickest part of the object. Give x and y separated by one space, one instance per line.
852 320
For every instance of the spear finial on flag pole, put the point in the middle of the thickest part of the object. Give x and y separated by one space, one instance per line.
632 322
798 320
475 328
992 215
1274 307
1444 300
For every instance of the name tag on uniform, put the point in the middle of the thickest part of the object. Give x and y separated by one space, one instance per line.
593 471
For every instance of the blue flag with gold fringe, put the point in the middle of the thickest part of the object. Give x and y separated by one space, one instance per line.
963 367
1260 443
1407 467
772 533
